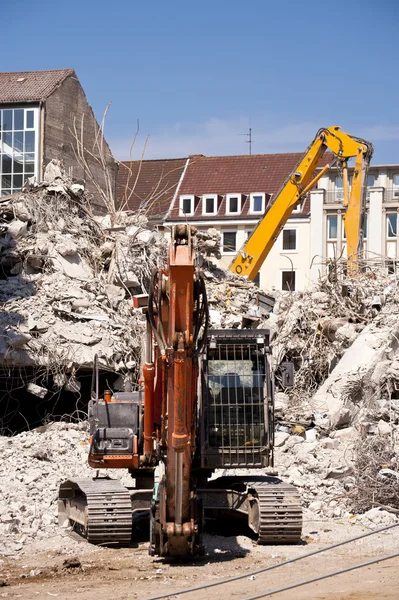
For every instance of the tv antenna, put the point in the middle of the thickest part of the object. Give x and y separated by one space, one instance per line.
249 140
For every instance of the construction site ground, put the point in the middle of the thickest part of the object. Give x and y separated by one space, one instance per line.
68 568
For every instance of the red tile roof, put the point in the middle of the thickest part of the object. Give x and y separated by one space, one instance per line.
30 86
149 185
237 174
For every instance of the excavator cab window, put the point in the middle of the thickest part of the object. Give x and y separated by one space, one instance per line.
236 402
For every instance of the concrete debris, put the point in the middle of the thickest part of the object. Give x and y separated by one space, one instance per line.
33 465
37 390
60 267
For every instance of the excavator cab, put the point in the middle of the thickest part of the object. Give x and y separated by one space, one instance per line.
236 400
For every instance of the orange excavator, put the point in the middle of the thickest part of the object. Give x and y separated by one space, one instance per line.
206 404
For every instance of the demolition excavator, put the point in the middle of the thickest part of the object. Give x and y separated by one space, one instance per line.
205 402
344 147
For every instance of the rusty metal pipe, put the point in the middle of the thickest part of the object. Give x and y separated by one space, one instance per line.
149 396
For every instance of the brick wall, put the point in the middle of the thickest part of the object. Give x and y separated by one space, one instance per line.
67 103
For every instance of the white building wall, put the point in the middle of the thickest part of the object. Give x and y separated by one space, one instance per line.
279 260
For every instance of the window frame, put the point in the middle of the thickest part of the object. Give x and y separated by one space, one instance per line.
228 252
19 155
251 203
395 186
214 197
190 197
293 250
239 204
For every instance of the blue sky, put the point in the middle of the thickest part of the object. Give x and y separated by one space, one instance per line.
198 74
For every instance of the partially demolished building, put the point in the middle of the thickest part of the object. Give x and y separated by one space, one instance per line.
46 115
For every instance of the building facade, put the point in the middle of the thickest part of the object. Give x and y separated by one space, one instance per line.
327 232
232 194
41 112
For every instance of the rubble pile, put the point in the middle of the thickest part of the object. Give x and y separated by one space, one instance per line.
37 462
67 282
343 346
68 279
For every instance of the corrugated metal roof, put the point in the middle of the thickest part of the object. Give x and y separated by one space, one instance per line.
30 86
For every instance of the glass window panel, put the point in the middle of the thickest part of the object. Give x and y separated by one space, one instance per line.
289 239
5 192
288 281
332 222
29 141
391 225
17 181
19 141
365 227
6 164
18 119
7 140
7 120
30 122
209 205
338 182
396 180
29 163
257 203
229 241
233 205
186 206
370 180
6 181
18 163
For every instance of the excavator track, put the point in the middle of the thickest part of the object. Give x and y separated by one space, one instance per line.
100 509
278 518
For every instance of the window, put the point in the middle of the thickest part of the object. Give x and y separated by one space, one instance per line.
233 204
298 208
392 219
289 239
229 245
365 227
186 205
370 181
332 227
257 203
18 148
288 281
396 185
209 205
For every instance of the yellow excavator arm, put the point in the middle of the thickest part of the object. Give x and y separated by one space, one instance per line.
254 252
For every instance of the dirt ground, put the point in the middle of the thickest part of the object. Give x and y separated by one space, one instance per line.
67 568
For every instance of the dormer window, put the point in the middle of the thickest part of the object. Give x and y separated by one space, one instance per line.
186 205
257 203
209 204
233 204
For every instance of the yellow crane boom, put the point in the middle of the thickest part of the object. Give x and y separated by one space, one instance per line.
344 146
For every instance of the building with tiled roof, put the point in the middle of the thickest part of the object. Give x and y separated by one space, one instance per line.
40 113
149 186
232 194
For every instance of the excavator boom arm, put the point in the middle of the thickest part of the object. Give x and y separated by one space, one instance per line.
252 255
